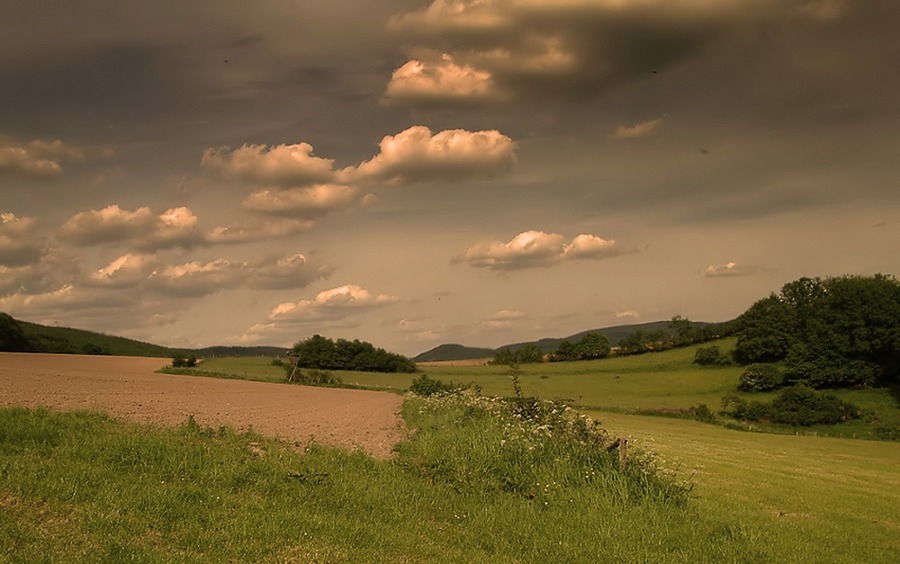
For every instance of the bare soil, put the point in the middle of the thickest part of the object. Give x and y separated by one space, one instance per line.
127 387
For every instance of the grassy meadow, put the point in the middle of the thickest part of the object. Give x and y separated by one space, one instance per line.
471 484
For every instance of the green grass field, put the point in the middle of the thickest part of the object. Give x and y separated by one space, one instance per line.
756 496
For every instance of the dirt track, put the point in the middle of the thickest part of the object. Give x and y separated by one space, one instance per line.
127 387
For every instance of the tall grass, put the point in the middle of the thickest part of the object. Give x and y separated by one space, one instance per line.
83 487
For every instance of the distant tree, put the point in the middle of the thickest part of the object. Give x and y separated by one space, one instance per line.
592 346
530 353
711 356
684 331
12 338
566 351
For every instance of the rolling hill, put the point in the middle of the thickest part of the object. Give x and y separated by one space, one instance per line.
613 334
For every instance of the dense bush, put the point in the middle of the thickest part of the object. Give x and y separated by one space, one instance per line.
181 361
835 332
711 356
591 346
798 405
801 405
526 354
425 386
761 378
325 354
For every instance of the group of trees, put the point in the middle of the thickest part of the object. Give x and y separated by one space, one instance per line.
681 333
841 331
324 354
590 347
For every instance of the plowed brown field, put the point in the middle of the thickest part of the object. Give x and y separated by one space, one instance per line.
128 387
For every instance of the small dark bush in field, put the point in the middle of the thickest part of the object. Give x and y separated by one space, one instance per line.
801 405
425 386
277 362
887 432
797 405
701 412
761 378
314 377
180 361
711 356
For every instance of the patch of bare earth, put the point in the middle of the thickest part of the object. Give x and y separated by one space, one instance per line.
128 387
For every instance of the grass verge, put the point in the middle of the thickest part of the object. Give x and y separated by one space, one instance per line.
80 486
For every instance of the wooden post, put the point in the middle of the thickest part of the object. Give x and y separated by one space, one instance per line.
623 453
295 360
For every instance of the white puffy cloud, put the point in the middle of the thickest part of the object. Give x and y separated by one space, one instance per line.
638 130
533 249
305 202
587 246
566 48
418 155
441 80
526 250
37 159
20 243
337 307
729 269
280 165
336 302
176 227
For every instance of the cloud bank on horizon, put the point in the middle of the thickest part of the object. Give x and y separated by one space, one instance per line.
477 171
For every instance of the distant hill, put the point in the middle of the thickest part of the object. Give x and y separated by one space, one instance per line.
42 338
613 334
453 352
66 340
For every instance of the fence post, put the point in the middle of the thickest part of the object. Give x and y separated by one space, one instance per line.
623 453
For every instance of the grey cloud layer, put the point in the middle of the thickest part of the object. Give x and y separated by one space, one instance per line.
493 50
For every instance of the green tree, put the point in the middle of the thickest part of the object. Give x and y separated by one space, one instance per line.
12 338
566 351
766 331
529 353
592 346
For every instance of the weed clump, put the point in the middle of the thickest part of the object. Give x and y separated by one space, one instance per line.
542 450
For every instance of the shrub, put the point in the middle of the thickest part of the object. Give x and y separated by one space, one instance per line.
180 361
801 405
425 386
797 405
711 356
314 377
761 378
701 412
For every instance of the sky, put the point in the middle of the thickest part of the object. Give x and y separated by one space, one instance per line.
413 173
